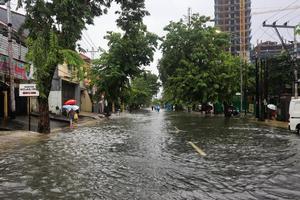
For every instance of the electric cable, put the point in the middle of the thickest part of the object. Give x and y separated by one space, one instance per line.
281 18
282 10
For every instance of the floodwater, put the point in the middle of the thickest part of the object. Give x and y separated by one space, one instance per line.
148 156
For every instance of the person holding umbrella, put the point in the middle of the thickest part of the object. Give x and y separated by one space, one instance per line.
71 117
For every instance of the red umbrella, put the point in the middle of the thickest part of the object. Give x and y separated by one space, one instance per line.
70 102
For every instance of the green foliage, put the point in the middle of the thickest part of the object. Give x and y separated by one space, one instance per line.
108 76
280 75
67 17
194 66
44 53
131 16
73 59
53 26
143 88
298 29
128 52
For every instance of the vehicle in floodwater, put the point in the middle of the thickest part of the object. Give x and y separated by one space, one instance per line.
294 113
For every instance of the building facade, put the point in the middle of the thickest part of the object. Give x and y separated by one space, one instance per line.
86 104
271 49
21 74
234 17
67 85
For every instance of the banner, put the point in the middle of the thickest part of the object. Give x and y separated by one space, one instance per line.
20 69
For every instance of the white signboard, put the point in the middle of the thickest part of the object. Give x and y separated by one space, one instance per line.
28 90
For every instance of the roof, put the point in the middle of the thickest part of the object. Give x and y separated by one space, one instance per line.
17 18
84 57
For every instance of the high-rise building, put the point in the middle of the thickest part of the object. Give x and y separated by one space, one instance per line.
234 17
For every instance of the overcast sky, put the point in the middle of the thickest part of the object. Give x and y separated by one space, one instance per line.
164 11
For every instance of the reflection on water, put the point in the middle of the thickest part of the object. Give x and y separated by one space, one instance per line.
147 156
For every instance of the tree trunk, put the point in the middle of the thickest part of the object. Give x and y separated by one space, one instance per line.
45 85
44 120
226 112
123 107
113 109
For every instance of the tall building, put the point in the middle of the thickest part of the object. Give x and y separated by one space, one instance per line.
234 17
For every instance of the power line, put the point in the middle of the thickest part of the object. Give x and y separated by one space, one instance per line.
275 10
85 43
289 33
270 35
265 32
84 38
291 19
287 14
281 10
90 39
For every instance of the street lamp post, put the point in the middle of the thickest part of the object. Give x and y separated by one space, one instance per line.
295 68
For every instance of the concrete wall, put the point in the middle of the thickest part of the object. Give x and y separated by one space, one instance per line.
85 102
77 94
55 103
55 96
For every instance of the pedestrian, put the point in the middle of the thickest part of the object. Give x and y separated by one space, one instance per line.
158 108
106 109
76 116
71 117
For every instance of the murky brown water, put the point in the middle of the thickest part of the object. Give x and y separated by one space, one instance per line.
144 156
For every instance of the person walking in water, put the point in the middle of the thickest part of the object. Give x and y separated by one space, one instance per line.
71 117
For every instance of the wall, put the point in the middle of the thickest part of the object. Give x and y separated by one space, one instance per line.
19 51
85 102
55 96
55 103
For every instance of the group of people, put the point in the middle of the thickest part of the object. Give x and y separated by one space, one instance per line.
156 108
73 117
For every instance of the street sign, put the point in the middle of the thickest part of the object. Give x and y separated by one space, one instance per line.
28 90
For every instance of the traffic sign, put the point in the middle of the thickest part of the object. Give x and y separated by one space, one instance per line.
28 90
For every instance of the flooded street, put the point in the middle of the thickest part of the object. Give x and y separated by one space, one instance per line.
148 156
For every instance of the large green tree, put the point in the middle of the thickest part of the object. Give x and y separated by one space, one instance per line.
279 69
142 90
52 27
195 66
128 52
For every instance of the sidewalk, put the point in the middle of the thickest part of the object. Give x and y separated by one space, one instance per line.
14 133
57 122
273 123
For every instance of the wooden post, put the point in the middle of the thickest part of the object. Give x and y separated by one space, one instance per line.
29 119
113 107
5 105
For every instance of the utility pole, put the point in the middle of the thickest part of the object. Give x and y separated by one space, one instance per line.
189 15
10 62
242 46
93 51
291 59
257 91
295 61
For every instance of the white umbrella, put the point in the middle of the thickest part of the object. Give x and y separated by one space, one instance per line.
69 107
271 106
